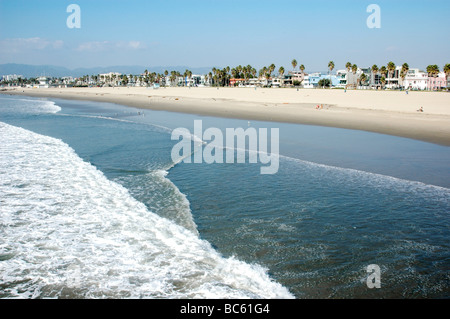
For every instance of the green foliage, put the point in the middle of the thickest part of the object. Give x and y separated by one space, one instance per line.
324 83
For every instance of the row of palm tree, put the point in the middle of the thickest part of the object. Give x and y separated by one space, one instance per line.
221 77
243 72
294 65
389 70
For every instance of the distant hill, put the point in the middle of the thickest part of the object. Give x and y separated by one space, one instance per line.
29 71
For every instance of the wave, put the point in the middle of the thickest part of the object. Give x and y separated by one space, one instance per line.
371 177
171 203
161 196
68 231
30 106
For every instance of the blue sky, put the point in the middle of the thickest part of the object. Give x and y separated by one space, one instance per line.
221 33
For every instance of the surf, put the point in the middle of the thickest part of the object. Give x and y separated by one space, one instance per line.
68 231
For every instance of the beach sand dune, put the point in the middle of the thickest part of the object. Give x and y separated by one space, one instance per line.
386 112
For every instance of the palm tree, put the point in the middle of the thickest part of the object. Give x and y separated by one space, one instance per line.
433 70
383 71
391 69
272 68
383 81
235 73
404 71
348 66
124 80
330 67
173 77
354 70
281 71
262 72
363 79
302 68
214 77
189 74
447 71
294 63
374 71
185 77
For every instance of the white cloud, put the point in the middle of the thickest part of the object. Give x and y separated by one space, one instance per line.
98 46
17 45
135 44
94 46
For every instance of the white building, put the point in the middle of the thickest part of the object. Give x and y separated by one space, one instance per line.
415 80
256 82
346 79
277 82
306 83
43 82
393 80
11 77
110 77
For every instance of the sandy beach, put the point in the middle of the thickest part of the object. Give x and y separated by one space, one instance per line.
386 112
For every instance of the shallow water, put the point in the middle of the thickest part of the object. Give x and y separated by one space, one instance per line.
93 206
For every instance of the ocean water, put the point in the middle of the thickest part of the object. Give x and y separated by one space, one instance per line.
92 206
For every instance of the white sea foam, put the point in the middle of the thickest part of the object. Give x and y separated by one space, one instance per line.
28 106
375 180
67 231
167 201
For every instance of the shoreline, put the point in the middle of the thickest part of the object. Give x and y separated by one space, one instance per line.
385 112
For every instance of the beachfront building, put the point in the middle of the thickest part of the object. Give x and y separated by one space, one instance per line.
297 77
140 81
277 82
437 83
311 80
393 80
287 80
43 82
348 79
110 78
11 77
341 76
237 82
167 81
415 80
66 81
365 83
293 78
179 81
195 80
375 80
254 82
203 80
